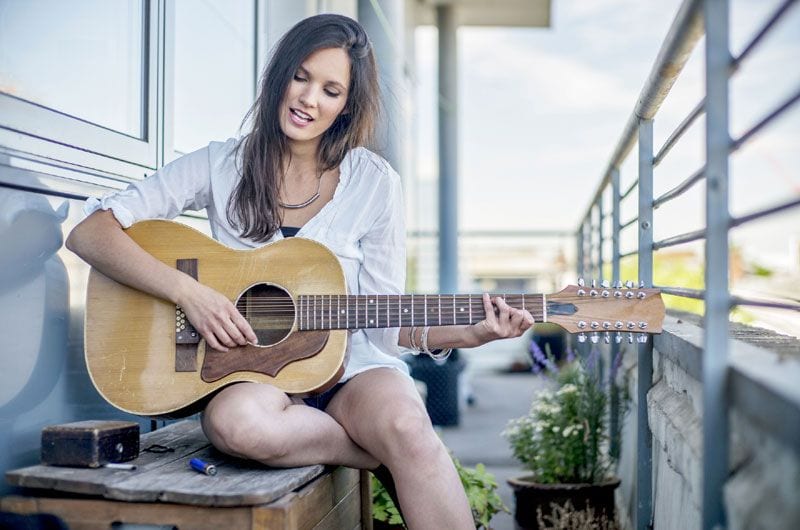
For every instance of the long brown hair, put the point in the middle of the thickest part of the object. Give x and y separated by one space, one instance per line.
253 207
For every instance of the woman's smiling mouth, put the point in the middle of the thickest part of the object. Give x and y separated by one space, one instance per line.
299 117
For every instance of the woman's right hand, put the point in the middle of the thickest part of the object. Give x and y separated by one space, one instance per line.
215 317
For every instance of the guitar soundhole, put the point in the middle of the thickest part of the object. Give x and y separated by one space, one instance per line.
270 311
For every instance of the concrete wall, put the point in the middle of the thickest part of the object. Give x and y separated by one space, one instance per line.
762 490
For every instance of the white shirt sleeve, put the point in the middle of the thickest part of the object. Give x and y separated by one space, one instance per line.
383 270
184 184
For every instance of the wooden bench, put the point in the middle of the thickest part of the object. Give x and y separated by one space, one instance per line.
165 491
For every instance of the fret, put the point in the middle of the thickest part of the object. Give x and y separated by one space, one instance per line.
439 299
454 310
338 316
387 310
470 310
425 307
412 311
300 312
523 302
400 310
544 308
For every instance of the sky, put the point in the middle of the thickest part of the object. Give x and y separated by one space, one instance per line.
542 109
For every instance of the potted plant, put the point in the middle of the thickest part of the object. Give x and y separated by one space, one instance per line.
480 486
562 443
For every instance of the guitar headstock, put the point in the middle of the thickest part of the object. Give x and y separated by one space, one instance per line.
607 312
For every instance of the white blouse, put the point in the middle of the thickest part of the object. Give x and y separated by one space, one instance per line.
363 224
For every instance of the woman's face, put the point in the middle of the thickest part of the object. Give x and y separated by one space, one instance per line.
316 95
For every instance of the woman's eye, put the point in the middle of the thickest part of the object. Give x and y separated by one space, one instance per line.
299 78
332 94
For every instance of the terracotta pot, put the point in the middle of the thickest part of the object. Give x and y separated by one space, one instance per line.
530 496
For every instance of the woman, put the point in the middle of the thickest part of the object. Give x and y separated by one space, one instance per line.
302 170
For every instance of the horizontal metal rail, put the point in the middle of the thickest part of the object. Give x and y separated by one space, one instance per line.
679 131
783 107
700 294
626 224
680 239
737 221
630 189
678 190
756 40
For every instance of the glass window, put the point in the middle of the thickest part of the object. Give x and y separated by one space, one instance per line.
83 58
214 69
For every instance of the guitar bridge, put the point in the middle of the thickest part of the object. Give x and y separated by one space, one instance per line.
186 337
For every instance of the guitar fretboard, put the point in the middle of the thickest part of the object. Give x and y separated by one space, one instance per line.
393 311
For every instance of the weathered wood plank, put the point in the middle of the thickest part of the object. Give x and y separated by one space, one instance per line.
94 514
237 482
345 514
303 509
166 477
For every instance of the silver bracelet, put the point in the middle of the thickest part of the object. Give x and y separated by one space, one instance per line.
412 340
438 354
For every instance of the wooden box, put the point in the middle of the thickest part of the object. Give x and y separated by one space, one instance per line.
90 443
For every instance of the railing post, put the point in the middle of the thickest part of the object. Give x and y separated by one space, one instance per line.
717 300
644 438
615 272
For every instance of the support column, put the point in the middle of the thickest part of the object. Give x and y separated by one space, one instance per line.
716 442
448 149
384 21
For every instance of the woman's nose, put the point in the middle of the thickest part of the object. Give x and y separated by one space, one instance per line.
308 97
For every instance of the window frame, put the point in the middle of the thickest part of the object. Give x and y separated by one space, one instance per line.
27 121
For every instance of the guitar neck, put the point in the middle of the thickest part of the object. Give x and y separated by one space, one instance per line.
316 312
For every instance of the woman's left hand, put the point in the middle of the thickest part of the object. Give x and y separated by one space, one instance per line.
506 322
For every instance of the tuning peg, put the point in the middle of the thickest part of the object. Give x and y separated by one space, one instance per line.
630 338
581 337
618 338
594 338
641 284
641 338
604 284
629 284
594 283
607 337
581 282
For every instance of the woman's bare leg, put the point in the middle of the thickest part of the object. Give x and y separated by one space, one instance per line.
382 412
260 422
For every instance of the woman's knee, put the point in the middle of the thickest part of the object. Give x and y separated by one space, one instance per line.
240 422
410 435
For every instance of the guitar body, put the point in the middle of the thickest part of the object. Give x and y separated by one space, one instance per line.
130 339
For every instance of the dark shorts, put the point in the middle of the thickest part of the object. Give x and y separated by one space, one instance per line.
321 401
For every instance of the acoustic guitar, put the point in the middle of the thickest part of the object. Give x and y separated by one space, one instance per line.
145 357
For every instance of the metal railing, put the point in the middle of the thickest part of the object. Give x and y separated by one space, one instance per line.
694 19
